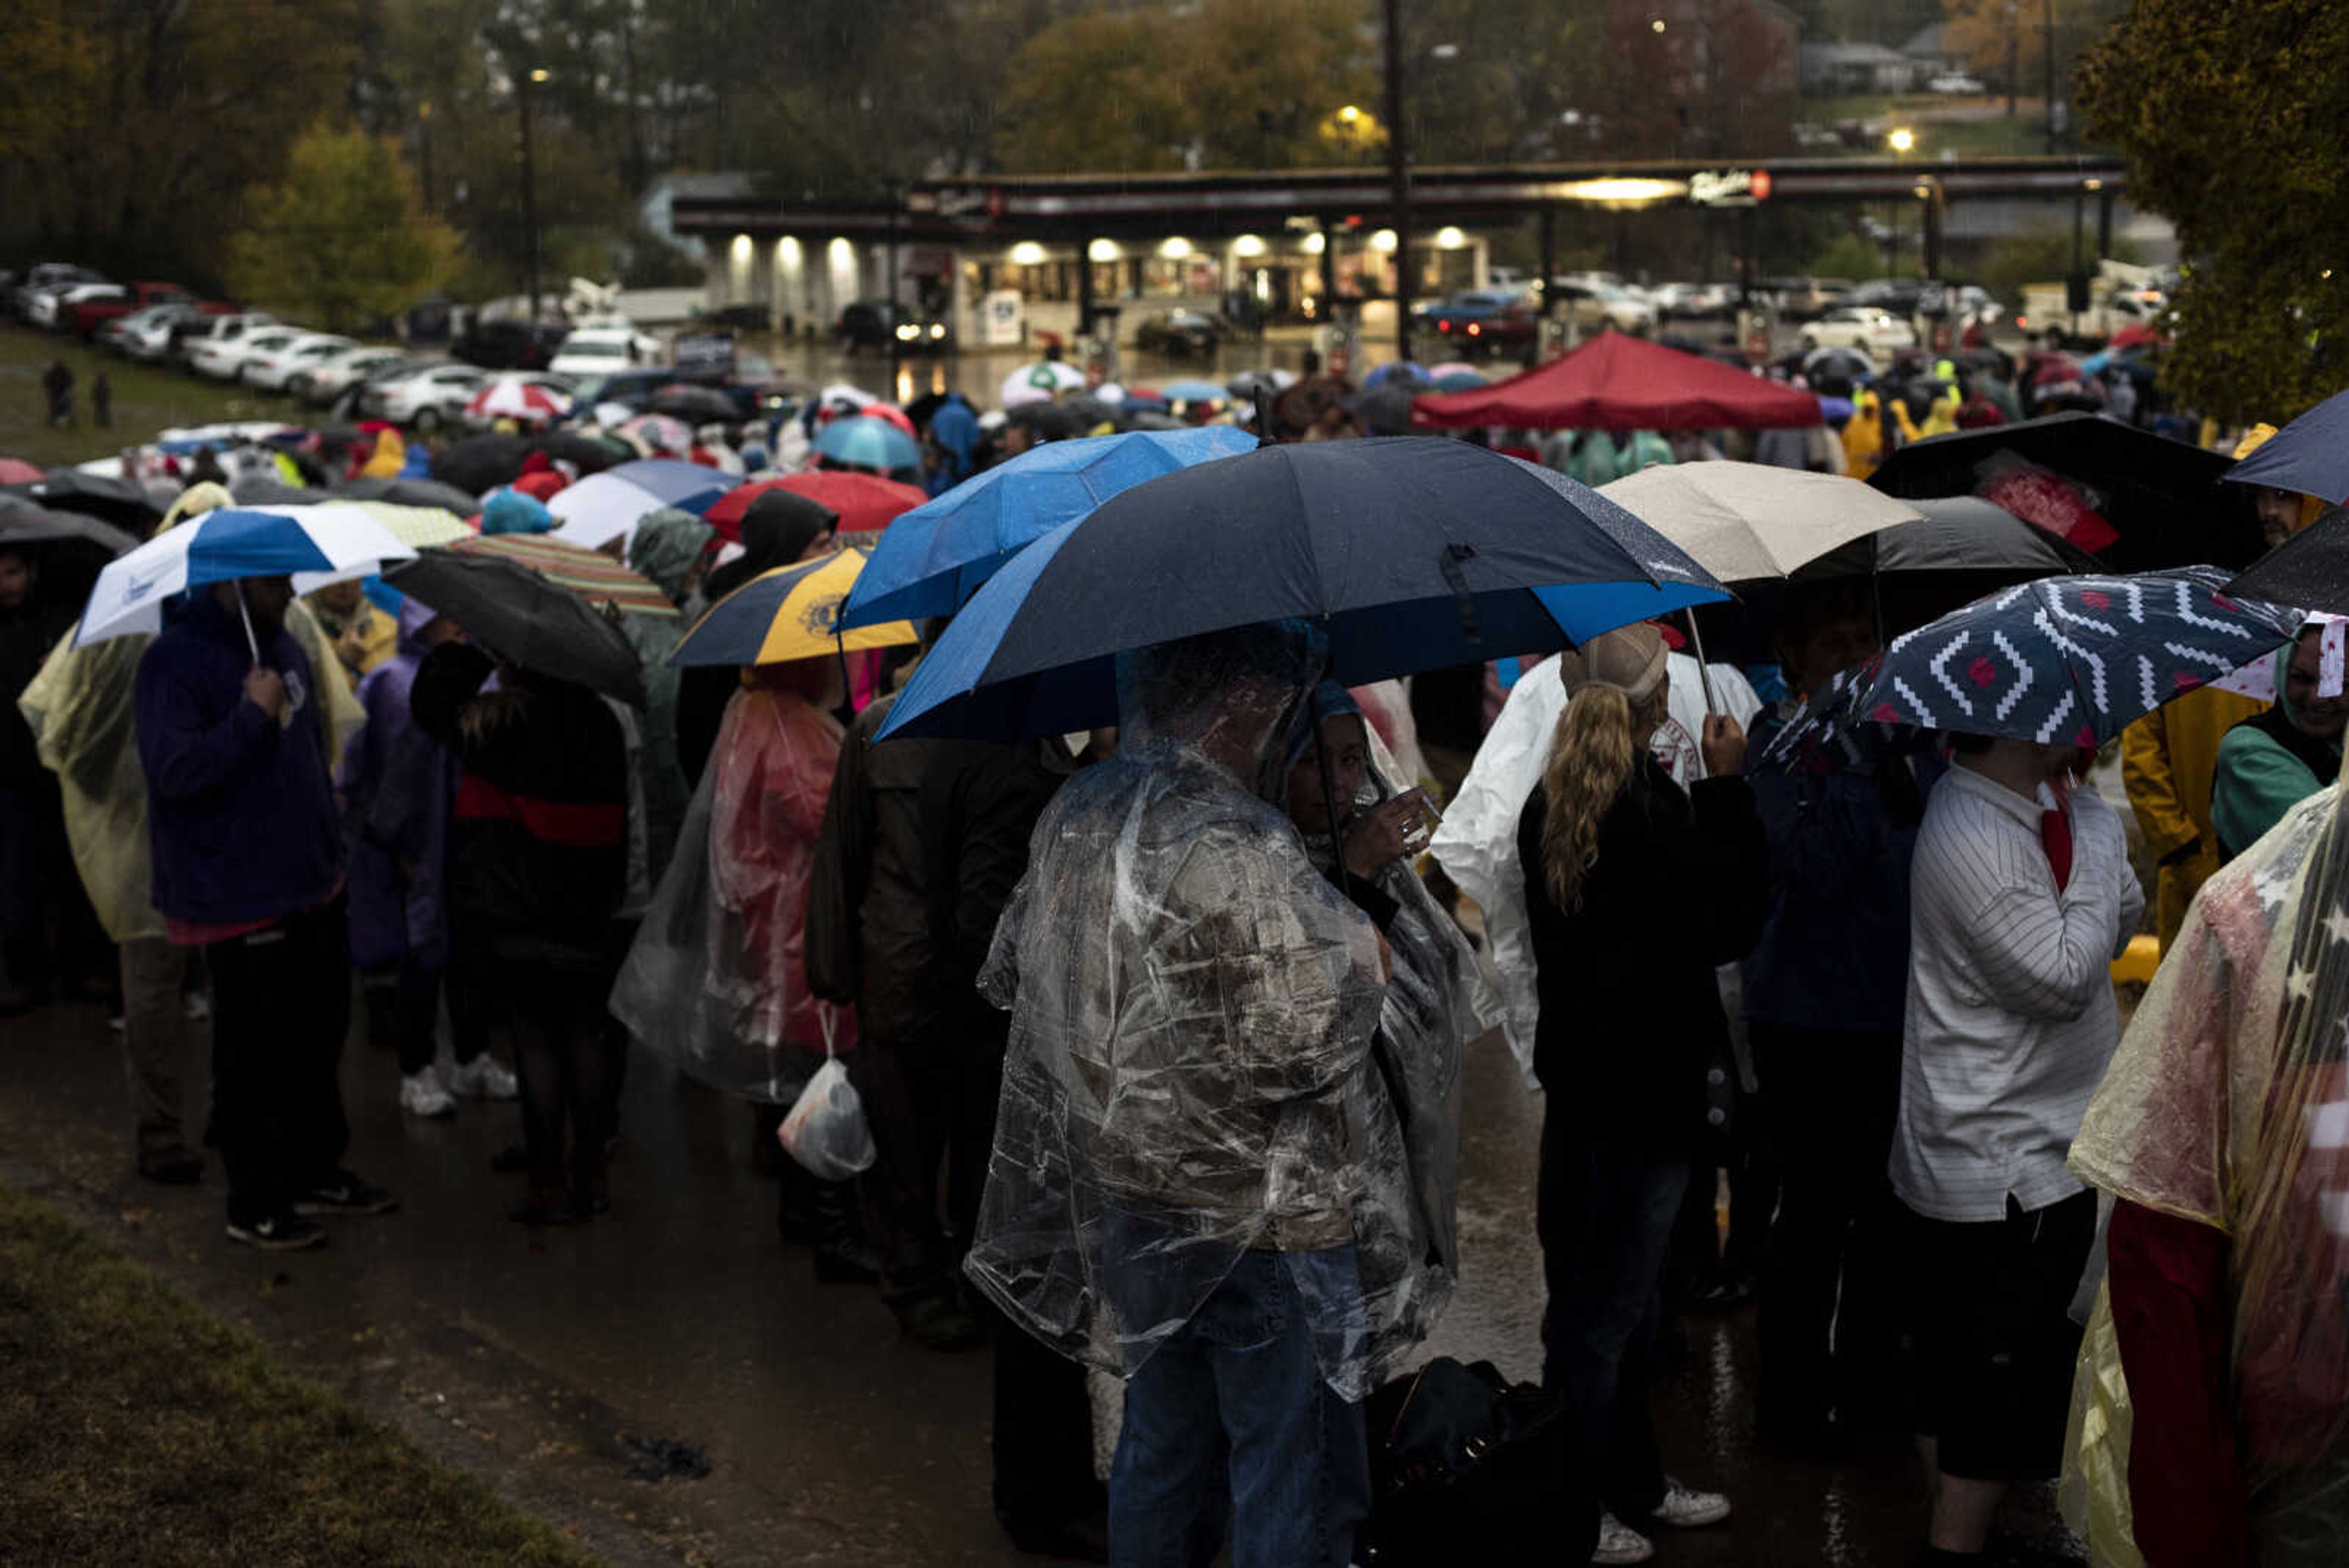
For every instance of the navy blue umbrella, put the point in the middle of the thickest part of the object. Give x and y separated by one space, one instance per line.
1414 552
2310 455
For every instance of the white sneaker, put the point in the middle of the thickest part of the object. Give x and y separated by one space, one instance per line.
1619 1542
420 1095
195 1007
1685 1510
482 1079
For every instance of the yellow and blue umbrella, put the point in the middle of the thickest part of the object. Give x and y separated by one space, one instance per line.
792 612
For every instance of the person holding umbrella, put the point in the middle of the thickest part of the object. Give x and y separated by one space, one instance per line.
1173 953
1635 889
2273 760
249 865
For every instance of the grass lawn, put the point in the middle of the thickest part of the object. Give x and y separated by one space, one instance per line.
136 1428
146 398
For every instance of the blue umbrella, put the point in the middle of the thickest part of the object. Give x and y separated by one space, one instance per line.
687 486
1194 390
934 557
1409 370
1460 381
312 544
868 442
2067 660
1414 552
2310 455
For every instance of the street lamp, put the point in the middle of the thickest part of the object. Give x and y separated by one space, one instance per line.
536 77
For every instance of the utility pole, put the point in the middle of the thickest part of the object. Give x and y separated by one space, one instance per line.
522 84
2047 48
2014 53
1397 179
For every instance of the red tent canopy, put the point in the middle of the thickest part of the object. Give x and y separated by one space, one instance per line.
1616 382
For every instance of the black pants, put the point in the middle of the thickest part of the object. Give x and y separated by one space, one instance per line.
930 1103
281 1004
1829 1320
403 1009
570 1094
1043 1429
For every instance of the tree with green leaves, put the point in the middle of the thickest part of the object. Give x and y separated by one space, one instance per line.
2231 114
342 238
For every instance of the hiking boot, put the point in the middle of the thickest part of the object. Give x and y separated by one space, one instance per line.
482 1079
283 1232
420 1095
342 1193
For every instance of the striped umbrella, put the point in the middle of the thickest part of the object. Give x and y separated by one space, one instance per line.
422 526
512 398
594 576
608 506
792 612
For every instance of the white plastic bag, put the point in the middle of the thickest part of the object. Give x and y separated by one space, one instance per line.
825 1130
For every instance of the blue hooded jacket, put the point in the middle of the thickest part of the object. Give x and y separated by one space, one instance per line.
241 811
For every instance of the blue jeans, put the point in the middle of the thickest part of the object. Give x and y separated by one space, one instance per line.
1605 1215
1230 1418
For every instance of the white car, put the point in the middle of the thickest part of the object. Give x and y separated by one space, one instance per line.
220 353
432 397
1875 332
328 378
1958 84
273 369
49 305
600 351
142 329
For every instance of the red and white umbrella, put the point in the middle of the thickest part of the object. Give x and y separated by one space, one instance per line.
512 398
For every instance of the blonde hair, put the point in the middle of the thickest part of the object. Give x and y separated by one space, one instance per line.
1591 756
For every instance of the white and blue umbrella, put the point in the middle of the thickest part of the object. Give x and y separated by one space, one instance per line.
315 545
608 506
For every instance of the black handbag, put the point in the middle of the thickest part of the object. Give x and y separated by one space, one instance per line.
1462 1460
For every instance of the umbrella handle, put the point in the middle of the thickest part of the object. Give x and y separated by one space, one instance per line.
1703 672
247 615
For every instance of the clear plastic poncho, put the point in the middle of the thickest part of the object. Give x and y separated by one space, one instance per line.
2227 1106
1190 1074
715 983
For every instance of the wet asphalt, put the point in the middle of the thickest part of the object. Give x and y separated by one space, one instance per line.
534 1358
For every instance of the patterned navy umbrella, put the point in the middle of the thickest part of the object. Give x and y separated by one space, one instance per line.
2063 660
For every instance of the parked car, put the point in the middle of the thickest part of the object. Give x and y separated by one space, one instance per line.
1802 298
600 351
1902 296
1594 306
191 329
1957 84
46 277
431 397
325 379
1482 321
363 398
510 345
881 324
53 307
153 325
1876 332
1695 301
1178 332
223 355
273 369
83 317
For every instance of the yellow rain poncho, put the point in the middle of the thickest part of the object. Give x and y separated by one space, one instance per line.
2227 1107
79 708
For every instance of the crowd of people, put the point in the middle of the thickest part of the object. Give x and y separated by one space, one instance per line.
1156 1031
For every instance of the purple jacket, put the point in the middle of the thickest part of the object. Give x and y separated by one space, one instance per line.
398 786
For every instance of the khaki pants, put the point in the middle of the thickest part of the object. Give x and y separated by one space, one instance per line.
154 1049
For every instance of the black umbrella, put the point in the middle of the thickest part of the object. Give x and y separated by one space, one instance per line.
1051 422
2162 496
1849 363
1090 410
2311 570
588 454
696 405
1150 419
261 490
23 522
115 500
413 492
1385 409
520 616
481 463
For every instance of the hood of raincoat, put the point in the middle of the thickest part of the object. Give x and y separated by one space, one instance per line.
511 512
777 528
1190 1074
2311 506
666 545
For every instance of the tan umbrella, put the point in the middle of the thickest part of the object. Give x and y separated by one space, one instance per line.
1749 521
1754 522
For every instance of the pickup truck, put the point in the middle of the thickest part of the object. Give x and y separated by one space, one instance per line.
2111 307
85 317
